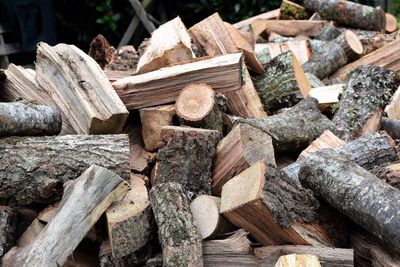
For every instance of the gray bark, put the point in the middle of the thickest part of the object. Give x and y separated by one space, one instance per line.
328 33
8 230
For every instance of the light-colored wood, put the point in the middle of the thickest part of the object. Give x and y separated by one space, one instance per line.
295 260
80 89
114 75
289 27
273 14
393 108
48 213
30 234
129 220
301 48
84 200
241 148
391 23
223 74
153 119
327 95
169 44
326 140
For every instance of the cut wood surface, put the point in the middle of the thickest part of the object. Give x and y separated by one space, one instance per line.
392 110
241 148
300 48
169 44
223 74
273 14
290 10
327 95
84 200
24 118
294 260
43 164
130 220
391 23
81 91
153 119
288 27
351 45
326 140
8 226
179 236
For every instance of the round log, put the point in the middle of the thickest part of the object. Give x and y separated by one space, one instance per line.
351 45
328 33
391 23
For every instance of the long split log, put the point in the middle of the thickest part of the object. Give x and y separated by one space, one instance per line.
288 27
389 173
273 14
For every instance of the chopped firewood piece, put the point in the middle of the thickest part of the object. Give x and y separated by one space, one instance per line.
196 106
23 118
300 48
363 99
288 27
241 148
290 10
389 173
8 229
284 83
273 14
101 51
351 45
391 23
36 167
168 45
80 89
153 119
30 234
334 178
327 95
179 236
83 202
186 158
392 127
294 260
163 86
326 140
130 220
349 13
393 108
328 33
263 201
209 221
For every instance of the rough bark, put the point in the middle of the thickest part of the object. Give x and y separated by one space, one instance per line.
314 81
33 169
349 13
328 33
24 118
180 239
392 127
360 195
361 105
84 201
390 173
284 127
101 51
290 10
186 158
8 229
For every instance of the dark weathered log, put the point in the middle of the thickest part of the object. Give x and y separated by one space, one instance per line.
390 173
361 105
84 201
328 33
300 48
349 13
8 229
24 118
33 169
101 51
180 239
392 127
355 192
295 128
291 10
187 157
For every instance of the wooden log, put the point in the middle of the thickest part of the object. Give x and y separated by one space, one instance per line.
130 221
293 260
327 95
390 173
370 202
326 140
363 99
392 110
314 81
290 10
351 45
392 127
241 148
284 83
288 27
168 45
300 48
209 221
153 119
23 118
30 234
163 86
180 239
36 167
328 33
101 51
264 202
84 200
329 257
186 158
273 14
391 23
8 232
349 13
196 106
80 89
124 60
284 127
372 40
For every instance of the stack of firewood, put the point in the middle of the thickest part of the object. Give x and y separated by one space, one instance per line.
270 142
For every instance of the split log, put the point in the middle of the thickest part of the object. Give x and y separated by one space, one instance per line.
370 202
196 106
290 10
284 83
264 202
34 168
30 234
130 220
153 119
391 23
84 200
327 95
392 110
169 44
186 158
23 118
101 51
284 127
390 173
293 260
80 89
349 13
241 148
329 257
328 33
273 14
382 57
363 99
209 221
180 239
288 27
163 86
392 127
8 229
300 48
